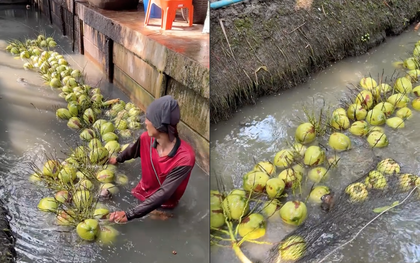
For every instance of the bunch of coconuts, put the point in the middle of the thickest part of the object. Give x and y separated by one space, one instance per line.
375 105
83 177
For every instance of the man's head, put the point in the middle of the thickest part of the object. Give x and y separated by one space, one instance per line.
162 116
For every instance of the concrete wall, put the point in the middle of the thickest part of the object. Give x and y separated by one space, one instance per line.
140 66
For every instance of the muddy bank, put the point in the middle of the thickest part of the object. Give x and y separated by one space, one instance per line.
260 47
7 241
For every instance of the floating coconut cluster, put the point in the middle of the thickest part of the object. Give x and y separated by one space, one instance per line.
83 178
372 106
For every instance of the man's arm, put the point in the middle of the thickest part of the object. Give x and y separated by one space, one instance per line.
131 152
167 189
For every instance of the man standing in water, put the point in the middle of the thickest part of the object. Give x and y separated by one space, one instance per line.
166 161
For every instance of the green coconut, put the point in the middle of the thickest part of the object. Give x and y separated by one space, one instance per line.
305 133
284 158
98 124
292 249
235 206
88 229
105 176
416 104
416 52
388 166
414 75
377 129
416 91
293 213
121 179
318 174
216 198
51 168
359 128
318 192
87 135
404 113
375 180
121 125
357 192
340 122
269 208
275 187
356 112
291 177
67 174
134 125
217 218
375 117
314 155
110 188
74 123
399 100
238 192
403 85
48 204
134 111
73 108
368 83
82 199
100 213
89 116
63 114
266 167
62 196
252 227
85 184
339 111
107 235
299 148
94 143
386 107
99 155
339 141
66 218
365 99
107 127
377 139
395 122
255 181
411 63
113 147
109 136
298 168
80 152
407 181
126 133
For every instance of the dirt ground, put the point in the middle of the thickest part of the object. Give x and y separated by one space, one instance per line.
259 47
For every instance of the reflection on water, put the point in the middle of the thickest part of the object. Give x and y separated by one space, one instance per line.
29 129
259 131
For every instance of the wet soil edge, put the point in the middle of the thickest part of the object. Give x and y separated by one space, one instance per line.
7 240
276 46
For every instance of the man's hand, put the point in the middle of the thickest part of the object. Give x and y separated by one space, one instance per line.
118 217
112 160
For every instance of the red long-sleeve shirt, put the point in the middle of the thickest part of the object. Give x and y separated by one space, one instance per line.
173 171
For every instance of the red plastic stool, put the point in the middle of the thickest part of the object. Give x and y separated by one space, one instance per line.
169 8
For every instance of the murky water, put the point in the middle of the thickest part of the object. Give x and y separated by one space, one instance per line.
261 130
29 128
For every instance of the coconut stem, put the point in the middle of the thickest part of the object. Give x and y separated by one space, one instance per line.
238 252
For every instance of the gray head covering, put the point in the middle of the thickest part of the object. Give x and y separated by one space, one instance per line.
164 114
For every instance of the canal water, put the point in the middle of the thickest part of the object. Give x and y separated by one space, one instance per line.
259 131
29 130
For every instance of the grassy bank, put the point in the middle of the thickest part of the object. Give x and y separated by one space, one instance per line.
260 47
